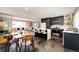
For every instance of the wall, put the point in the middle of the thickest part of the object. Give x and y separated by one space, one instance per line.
18 24
76 19
21 24
43 25
37 24
6 20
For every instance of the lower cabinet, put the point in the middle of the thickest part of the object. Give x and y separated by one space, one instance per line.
71 41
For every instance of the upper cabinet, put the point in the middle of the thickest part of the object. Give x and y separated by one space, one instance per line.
57 20
53 21
47 21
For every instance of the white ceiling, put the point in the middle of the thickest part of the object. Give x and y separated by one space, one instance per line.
36 13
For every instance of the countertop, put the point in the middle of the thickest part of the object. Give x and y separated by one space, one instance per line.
71 32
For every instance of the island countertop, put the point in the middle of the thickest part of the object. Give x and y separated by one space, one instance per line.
71 32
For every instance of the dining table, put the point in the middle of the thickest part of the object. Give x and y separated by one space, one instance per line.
17 36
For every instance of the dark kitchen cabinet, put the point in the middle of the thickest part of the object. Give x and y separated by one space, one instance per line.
43 20
71 41
61 19
53 21
47 21
57 20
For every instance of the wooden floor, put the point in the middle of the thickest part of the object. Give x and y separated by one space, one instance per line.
52 45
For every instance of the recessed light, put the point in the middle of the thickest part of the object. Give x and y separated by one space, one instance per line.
26 8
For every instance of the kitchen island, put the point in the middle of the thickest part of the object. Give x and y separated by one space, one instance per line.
71 40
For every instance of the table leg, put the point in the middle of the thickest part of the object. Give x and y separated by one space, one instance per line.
33 46
25 45
8 47
17 45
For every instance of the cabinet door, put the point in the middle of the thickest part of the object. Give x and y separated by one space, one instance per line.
61 19
57 20
47 21
71 41
53 20
75 42
43 20
68 40
48 24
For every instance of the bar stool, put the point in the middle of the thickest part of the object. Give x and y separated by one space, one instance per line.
36 33
32 28
39 33
28 40
44 34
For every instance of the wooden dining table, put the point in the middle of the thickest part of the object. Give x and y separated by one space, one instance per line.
16 36
21 36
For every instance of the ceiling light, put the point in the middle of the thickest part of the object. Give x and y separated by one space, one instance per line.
26 8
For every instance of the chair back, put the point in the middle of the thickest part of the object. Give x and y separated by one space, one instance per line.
35 30
39 31
28 37
9 37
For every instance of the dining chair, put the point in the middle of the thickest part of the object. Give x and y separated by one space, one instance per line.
11 41
28 40
9 38
3 43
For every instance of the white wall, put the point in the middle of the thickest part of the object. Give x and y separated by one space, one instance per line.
37 23
76 19
18 24
21 24
43 25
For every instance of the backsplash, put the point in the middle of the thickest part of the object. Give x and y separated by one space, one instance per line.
59 26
